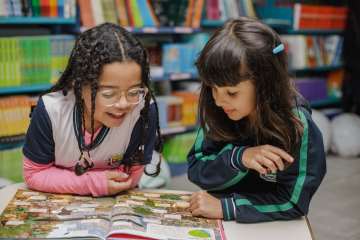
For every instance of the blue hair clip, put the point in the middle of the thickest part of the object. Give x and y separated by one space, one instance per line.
278 48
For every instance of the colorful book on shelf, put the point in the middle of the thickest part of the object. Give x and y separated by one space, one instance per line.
130 13
109 12
170 111
98 14
121 12
33 59
138 19
189 13
312 88
86 13
53 8
45 8
198 9
313 51
147 15
36 8
14 115
307 16
132 215
189 107
11 164
212 9
60 6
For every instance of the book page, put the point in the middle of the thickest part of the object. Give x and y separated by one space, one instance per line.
161 215
33 214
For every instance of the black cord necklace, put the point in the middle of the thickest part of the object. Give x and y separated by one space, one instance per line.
85 163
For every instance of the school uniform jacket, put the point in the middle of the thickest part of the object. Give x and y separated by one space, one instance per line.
245 195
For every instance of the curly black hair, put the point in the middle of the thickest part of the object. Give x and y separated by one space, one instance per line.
94 48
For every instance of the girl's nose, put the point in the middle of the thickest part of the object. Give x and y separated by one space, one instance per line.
122 103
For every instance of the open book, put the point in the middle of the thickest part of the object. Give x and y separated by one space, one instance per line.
133 215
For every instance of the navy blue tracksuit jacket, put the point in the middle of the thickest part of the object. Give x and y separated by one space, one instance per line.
245 195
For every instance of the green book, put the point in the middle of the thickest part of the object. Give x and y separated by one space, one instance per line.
138 21
11 164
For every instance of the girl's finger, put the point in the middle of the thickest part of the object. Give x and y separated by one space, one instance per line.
257 167
284 155
275 158
268 164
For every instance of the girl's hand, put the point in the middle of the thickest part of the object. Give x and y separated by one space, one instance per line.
205 205
117 182
265 159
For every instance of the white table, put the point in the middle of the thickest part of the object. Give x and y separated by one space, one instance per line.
279 230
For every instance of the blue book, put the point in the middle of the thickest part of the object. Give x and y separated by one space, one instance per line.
60 6
148 21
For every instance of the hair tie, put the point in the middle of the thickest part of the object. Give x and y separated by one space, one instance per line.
278 48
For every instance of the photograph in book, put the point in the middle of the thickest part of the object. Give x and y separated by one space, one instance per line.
149 214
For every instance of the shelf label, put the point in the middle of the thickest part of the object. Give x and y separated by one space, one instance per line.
183 30
150 30
178 76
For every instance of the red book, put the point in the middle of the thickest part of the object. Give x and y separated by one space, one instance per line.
212 9
45 8
325 16
340 16
129 13
86 13
304 16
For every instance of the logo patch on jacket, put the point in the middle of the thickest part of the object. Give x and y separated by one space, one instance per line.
270 177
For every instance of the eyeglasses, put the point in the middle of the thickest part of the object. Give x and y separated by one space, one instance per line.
110 97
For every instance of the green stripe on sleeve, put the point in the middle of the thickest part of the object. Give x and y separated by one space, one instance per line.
299 181
199 156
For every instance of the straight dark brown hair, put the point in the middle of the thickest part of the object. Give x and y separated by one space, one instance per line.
243 50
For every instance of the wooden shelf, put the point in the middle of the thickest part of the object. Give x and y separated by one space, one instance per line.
325 102
36 20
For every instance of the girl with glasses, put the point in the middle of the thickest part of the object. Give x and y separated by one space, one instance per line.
97 127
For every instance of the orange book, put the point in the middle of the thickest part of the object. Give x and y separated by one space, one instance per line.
189 13
189 107
53 8
334 83
199 5
311 55
86 13
121 13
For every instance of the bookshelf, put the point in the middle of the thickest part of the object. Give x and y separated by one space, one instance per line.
175 77
163 30
21 37
320 69
176 35
9 146
158 30
325 102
